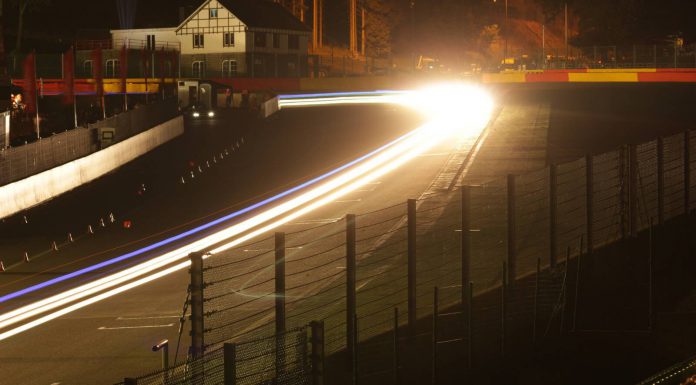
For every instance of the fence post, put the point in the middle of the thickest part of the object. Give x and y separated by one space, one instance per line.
434 340
350 287
589 199
395 362
651 251
470 331
411 265
564 289
229 353
660 181
196 304
511 233
577 286
466 245
279 302
503 311
553 206
687 170
355 350
536 301
633 192
317 352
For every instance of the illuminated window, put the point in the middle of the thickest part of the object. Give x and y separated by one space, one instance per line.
228 39
113 68
293 42
198 41
213 13
198 69
259 39
229 68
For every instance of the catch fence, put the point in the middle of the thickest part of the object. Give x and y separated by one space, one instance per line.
449 281
32 158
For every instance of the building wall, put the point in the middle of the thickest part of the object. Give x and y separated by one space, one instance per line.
213 29
134 38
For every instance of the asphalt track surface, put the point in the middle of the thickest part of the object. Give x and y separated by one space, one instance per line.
111 339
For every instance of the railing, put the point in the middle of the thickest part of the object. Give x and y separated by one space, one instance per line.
129 43
20 162
498 255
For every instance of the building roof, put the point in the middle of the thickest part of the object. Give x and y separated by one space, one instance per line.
264 14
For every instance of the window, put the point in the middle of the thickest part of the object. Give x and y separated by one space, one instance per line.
276 40
229 68
259 39
198 41
293 42
198 68
87 67
151 42
113 68
213 13
228 39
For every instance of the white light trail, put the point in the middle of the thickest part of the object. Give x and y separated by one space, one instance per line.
403 150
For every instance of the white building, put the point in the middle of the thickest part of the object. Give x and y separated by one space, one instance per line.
230 38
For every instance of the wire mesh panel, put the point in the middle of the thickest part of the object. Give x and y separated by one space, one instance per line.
531 219
488 221
647 183
316 279
673 147
571 210
381 268
240 291
438 253
608 192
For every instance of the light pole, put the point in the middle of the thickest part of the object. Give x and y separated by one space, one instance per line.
505 31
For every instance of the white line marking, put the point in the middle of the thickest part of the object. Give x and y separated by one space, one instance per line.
135 327
153 317
348 201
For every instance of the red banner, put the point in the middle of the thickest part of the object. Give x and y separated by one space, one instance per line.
98 71
123 68
29 90
69 76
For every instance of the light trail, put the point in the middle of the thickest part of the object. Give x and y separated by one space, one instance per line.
337 183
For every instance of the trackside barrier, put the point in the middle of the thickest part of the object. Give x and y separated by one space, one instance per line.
449 281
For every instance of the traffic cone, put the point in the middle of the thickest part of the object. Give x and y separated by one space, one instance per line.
54 246
70 238
90 230
26 257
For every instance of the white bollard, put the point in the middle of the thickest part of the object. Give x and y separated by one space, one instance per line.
2 267
54 246
25 220
182 180
112 219
70 238
26 257
101 222
90 230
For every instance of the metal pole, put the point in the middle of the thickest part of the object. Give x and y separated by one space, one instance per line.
317 352
687 171
589 200
470 331
503 289
350 286
411 204
466 245
395 363
577 286
229 352
511 232
660 181
355 350
553 205
633 192
536 300
197 345
651 251
279 302
434 339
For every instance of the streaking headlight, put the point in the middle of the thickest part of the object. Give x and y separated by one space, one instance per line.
196 114
211 114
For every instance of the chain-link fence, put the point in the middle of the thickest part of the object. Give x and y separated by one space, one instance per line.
20 162
458 277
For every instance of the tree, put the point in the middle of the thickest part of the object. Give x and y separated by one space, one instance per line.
382 16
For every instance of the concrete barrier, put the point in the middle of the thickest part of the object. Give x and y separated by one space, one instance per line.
23 194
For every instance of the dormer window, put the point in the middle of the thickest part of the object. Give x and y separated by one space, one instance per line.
213 13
